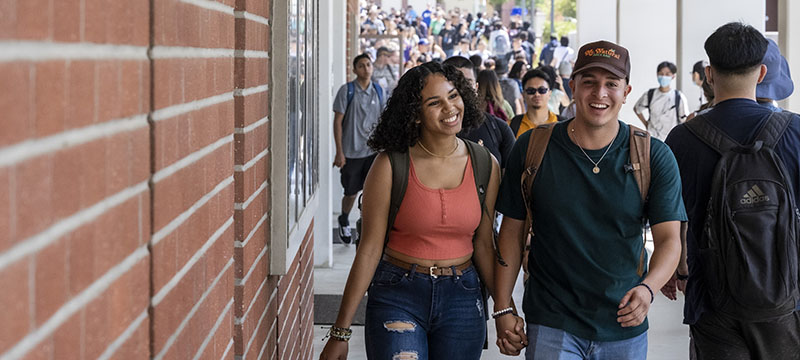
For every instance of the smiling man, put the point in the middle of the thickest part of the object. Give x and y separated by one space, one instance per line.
589 292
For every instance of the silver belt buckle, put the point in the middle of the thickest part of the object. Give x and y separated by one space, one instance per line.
430 271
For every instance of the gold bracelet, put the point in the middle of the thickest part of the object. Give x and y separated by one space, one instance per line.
340 334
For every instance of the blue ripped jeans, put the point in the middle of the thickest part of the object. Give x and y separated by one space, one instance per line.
432 318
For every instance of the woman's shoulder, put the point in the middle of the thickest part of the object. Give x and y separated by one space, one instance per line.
382 166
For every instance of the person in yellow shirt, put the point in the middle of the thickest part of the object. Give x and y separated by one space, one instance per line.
536 92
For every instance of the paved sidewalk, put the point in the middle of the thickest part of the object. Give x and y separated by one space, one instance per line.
668 338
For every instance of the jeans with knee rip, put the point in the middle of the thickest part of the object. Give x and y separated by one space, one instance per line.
414 316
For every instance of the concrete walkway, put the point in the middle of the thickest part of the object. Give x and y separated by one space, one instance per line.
668 338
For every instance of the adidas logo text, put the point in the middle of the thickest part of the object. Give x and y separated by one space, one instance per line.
753 196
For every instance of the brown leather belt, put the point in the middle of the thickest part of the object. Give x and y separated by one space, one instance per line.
433 271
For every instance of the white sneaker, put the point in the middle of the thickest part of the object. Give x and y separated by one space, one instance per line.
345 234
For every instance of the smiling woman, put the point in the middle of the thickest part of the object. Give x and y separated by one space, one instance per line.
437 243
397 129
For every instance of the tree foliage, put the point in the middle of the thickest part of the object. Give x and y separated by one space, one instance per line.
567 8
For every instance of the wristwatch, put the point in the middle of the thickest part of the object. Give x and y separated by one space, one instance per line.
682 277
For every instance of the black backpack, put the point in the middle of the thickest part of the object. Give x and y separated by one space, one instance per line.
749 246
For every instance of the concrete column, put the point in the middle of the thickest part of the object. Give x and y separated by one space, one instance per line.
698 19
331 51
647 29
789 35
597 20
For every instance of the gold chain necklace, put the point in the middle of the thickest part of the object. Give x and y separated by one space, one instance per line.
437 155
595 169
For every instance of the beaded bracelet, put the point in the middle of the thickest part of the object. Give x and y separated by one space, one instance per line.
652 295
340 334
500 313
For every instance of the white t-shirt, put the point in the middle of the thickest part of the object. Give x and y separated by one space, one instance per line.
563 53
661 112
500 42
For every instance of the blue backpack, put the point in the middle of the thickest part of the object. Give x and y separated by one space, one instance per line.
351 88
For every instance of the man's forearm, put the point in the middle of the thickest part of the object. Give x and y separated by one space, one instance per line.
642 119
337 131
509 244
666 253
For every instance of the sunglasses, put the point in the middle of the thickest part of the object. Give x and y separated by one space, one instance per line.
541 90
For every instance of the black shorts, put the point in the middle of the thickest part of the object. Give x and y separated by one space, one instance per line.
354 172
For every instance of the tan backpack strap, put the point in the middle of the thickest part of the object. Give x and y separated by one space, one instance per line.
640 158
640 163
537 145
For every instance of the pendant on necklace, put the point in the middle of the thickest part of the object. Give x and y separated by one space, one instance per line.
596 170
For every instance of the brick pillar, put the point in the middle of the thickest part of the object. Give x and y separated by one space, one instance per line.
192 182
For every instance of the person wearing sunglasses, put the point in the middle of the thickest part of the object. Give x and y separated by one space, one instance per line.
536 93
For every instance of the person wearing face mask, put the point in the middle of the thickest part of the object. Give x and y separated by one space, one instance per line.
666 107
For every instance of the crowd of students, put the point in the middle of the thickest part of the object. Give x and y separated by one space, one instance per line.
429 254
436 35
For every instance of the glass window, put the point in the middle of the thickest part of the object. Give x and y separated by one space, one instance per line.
291 122
295 159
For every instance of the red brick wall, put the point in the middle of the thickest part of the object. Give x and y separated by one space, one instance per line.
134 184
353 28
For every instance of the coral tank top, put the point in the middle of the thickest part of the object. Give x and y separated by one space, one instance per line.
436 224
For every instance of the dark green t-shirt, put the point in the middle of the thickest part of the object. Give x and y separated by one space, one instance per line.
587 230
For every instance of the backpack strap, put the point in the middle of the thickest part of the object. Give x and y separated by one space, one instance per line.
677 104
515 123
351 89
650 94
640 165
537 146
400 162
379 90
773 129
640 159
481 160
712 136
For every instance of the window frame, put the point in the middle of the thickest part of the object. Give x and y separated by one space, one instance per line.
290 225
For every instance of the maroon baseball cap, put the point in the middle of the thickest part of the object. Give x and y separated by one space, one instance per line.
604 55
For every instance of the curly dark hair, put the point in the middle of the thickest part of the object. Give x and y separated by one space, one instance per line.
397 129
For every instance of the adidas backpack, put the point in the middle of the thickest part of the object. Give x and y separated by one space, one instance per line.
749 245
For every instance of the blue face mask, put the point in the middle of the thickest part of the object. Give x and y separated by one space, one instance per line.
664 81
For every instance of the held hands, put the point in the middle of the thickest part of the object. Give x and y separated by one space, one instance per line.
334 350
634 306
511 338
